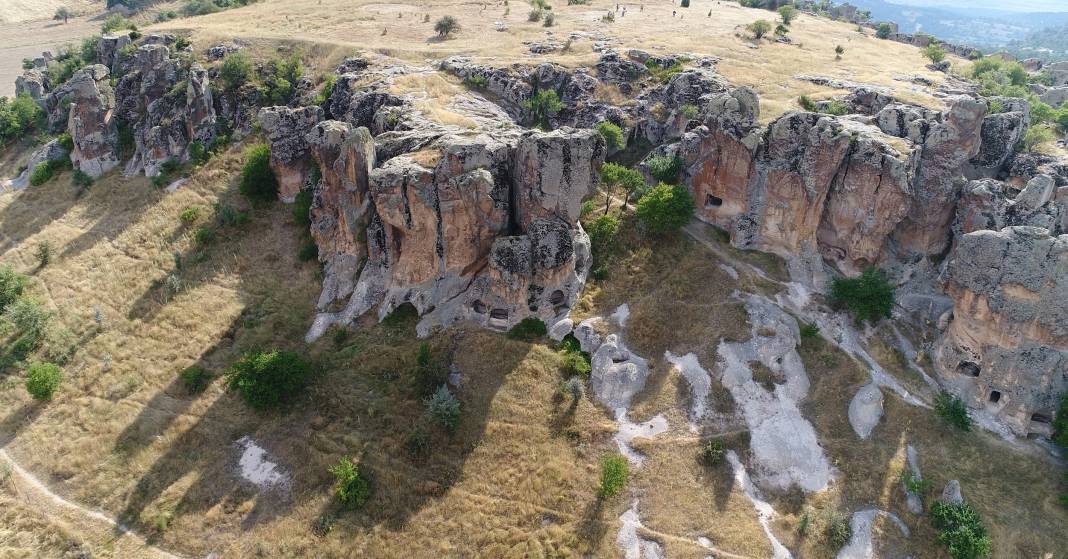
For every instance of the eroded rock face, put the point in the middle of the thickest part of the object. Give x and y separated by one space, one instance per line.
999 135
490 234
1006 349
948 146
91 124
287 131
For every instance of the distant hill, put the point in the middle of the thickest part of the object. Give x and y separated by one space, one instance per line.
976 25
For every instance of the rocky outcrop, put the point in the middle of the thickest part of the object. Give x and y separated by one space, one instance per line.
490 234
1006 349
34 84
91 124
286 130
994 205
109 47
52 151
1000 134
948 146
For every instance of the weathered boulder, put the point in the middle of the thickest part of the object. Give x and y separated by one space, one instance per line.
948 146
1000 134
1006 348
906 121
33 83
286 130
987 204
52 151
341 205
108 48
90 124
553 172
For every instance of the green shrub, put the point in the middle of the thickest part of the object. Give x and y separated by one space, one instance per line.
204 236
444 409
1035 137
257 179
229 216
429 372
602 232
18 116
613 135
953 410
759 28
308 250
268 379
839 50
189 215
868 297
664 168
713 452
542 106
961 530
836 107
884 30
787 13
663 74
807 103
614 473
328 87
352 489
665 208
418 443
282 75
27 320
915 485
41 174
576 363
81 180
445 26
43 253
809 330
573 387
934 52
195 378
302 208
116 22
12 286
42 380
476 82
837 530
236 70
528 330
1060 421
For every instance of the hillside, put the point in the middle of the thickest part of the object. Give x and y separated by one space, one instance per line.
413 213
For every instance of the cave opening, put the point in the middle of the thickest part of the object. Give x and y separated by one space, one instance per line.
969 368
995 396
713 201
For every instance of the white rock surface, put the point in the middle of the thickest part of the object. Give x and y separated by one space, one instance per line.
765 512
257 469
698 378
865 410
860 545
633 545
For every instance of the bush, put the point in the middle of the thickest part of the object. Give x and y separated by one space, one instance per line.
282 77
229 216
446 26
302 208
444 409
934 52
81 180
665 208
528 330
1035 137
614 473
12 286
839 50
535 15
268 379
429 372
868 297
195 378
18 117
116 22
837 531
807 103
257 179
809 331
836 107
1060 423
41 174
308 250
953 410
915 485
961 530
576 363
663 74
759 28
236 70
787 13
613 135
189 215
602 232
542 106
43 254
42 380
664 168
328 87
204 236
713 452
573 387
352 489
617 176
884 30
28 320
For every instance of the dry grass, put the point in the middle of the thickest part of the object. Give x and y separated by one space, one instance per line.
433 94
769 67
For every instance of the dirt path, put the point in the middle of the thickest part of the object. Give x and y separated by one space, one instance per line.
91 526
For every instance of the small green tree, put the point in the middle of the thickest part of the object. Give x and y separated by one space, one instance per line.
839 50
12 286
257 180
528 329
759 28
42 379
884 31
63 13
665 208
446 26
352 489
953 410
615 176
269 379
664 168
868 297
542 105
444 409
1060 424
787 13
934 52
614 473
613 135
236 70
195 378
602 232
961 530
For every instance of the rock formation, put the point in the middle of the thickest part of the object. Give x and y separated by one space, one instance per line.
1007 347
91 124
286 130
